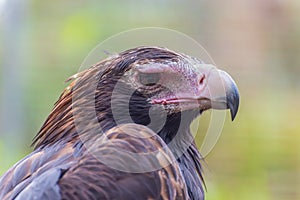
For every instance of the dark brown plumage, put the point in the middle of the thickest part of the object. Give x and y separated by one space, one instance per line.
72 159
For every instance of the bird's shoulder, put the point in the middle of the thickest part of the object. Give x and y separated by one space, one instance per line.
127 162
35 172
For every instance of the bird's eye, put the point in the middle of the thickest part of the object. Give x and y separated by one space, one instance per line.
149 79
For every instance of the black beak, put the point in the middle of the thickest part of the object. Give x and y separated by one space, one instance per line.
233 100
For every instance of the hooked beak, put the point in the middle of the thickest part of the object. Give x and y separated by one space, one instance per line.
220 92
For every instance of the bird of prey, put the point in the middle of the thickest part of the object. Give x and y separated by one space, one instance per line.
120 130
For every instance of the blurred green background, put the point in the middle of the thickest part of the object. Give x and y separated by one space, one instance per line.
256 41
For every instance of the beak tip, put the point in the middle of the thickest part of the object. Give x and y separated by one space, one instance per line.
233 112
233 101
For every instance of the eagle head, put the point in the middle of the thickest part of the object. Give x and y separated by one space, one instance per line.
161 89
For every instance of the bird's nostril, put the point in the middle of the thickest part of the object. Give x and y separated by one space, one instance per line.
202 80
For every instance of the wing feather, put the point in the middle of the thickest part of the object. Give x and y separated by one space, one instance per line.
107 182
108 169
